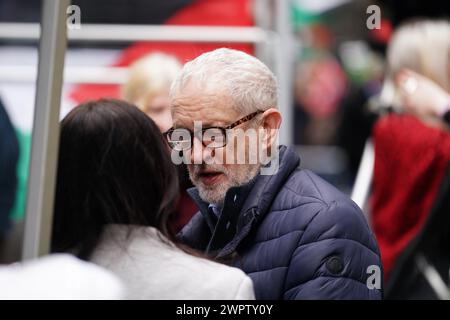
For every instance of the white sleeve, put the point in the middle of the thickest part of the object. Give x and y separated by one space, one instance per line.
245 290
61 277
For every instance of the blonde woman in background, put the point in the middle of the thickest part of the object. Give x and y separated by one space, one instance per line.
410 193
419 53
148 87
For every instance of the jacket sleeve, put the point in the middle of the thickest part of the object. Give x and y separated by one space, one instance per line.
337 257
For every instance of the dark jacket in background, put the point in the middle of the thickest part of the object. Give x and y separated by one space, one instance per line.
294 234
9 154
432 244
410 204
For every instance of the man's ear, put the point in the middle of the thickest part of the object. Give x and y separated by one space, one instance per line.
270 122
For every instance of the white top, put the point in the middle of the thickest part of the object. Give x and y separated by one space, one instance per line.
58 276
151 267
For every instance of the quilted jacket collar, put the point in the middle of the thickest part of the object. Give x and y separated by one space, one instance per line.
244 207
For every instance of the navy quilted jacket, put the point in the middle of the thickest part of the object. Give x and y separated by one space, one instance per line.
294 234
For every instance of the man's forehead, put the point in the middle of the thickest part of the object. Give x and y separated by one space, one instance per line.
209 108
184 117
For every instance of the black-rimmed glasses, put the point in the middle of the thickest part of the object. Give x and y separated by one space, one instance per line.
181 139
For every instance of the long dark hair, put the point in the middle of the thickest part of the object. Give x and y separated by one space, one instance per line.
114 167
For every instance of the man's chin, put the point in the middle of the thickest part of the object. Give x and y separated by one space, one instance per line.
212 194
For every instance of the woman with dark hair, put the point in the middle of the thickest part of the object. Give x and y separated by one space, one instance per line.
116 188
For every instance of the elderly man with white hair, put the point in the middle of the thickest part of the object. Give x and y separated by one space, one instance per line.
294 234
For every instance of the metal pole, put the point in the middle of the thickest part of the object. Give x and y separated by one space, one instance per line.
364 177
74 74
284 69
129 33
45 139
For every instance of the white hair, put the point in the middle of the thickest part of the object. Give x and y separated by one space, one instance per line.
422 46
249 82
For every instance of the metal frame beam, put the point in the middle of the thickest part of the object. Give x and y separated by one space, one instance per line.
131 33
45 139
283 69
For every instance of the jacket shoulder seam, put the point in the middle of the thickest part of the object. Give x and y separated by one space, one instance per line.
277 237
319 200
337 238
314 183
265 270
327 210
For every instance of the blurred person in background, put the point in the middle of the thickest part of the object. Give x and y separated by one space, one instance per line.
424 98
318 72
339 69
409 205
9 154
294 234
148 87
417 47
115 192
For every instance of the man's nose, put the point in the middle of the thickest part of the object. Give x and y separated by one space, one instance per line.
197 153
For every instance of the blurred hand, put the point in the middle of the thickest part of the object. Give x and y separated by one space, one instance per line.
421 96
